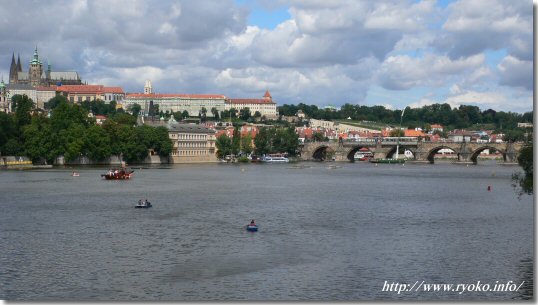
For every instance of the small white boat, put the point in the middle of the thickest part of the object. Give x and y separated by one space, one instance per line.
75 174
143 204
275 158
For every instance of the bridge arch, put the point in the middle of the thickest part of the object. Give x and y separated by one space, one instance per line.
435 150
392 153
322 153
476 152
350 153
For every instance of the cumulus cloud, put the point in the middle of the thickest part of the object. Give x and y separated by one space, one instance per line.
474 26
516 73
404 72
327 52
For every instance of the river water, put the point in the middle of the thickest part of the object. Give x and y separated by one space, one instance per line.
328 231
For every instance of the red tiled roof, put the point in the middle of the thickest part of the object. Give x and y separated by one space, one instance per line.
113 90
91 89
80 88
238 101
413 133
267 94
436 126
42 88
175 95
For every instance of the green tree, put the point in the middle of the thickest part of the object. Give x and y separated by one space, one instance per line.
524 182
53 102
318 137
129 146
72 141
233 113
38 140
262 141
236 141
215 113
7 130
66 114
22 106
161 141
203 114
135 109
224 146
246 144
124 118
97 143
244 114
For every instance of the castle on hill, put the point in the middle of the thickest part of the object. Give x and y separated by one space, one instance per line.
37 76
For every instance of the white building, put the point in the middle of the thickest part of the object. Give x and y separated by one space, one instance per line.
265 106
314 123
192 103
43 95
21 89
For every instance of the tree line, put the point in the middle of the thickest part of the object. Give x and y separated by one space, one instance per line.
464 116
68 131
267 141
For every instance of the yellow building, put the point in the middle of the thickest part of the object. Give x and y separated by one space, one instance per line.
191 143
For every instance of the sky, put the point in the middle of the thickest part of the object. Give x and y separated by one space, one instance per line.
392 53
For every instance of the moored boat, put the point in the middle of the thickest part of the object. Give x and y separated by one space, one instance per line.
389 161
275 158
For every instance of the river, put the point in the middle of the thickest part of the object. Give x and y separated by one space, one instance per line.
327 231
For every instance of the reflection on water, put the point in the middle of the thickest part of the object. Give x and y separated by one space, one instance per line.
326 232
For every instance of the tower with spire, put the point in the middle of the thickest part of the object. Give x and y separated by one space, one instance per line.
147 87
35 70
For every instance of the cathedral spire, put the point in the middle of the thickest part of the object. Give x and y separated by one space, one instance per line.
12 69
19 67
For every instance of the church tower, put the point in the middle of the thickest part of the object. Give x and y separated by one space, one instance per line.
267 96
35 70
147 87
13 74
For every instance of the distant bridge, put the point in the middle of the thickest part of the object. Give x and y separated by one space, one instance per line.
423 151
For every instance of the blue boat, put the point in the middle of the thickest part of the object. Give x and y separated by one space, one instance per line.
252 228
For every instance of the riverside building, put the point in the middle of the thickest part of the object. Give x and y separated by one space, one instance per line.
191 143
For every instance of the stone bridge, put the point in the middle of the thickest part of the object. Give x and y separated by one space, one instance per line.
423 151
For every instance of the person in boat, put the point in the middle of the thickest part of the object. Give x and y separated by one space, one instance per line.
139 201
252 223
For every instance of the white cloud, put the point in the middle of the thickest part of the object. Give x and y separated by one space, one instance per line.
516 73
403 72
475 26
326 52
514 100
